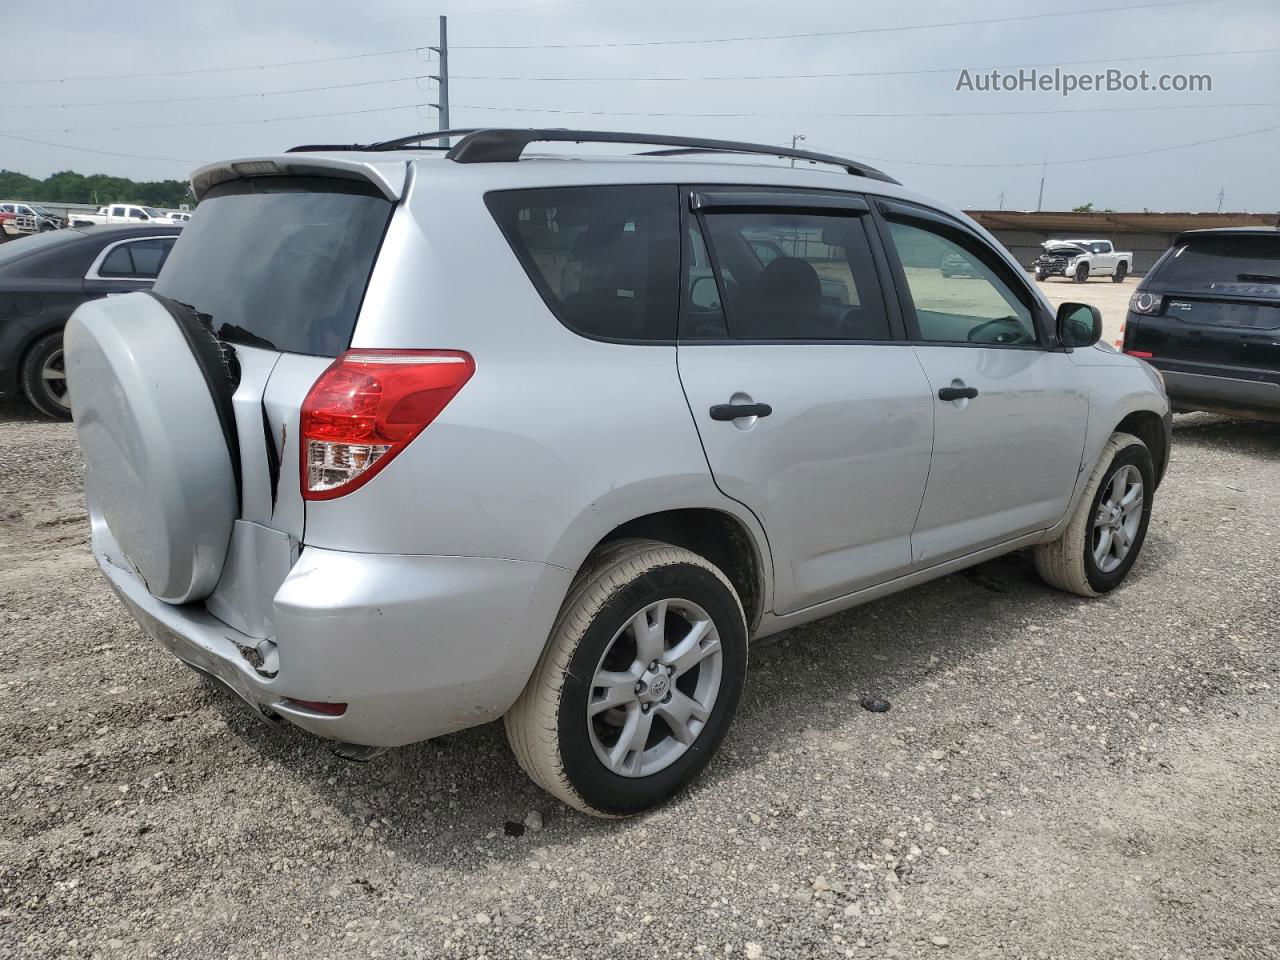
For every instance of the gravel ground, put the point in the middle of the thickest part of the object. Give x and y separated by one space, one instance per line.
1056 779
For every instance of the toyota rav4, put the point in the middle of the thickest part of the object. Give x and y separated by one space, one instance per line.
410 438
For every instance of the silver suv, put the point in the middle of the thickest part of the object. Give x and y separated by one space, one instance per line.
408 439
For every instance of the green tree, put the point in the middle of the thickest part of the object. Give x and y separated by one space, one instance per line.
67 186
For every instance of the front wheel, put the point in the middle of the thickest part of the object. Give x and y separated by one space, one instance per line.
1105 535
44 377
639 682
1082 273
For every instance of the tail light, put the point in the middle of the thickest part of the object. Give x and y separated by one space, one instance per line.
1145 303
367 407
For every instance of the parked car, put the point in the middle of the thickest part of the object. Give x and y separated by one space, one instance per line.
1082 259
424 453
178 216
121 213
44 278
1207 316
39 218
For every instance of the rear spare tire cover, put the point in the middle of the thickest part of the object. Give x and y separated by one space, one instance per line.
158 464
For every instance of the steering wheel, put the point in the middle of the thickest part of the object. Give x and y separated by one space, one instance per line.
1008 336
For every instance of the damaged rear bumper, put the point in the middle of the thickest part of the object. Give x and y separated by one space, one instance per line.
415 646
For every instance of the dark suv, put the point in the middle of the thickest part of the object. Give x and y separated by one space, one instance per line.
1208 316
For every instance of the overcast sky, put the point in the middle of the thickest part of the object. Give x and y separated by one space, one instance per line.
951 157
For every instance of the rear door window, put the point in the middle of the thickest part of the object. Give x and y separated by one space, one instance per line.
604 259
138 259
280 262
790 276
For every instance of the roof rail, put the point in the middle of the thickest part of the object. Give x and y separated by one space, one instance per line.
499 145
506 145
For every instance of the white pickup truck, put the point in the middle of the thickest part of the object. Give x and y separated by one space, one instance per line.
121 213
1082 259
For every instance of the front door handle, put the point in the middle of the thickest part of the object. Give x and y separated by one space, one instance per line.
957 393
733 411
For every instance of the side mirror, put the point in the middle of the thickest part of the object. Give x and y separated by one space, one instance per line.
1079 325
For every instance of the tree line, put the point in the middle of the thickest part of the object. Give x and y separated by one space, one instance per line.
68 186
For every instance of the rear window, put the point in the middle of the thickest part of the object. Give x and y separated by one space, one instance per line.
278 262
605 259
1199 261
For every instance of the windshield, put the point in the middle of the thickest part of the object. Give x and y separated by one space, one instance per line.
1222 258
152 212
278 262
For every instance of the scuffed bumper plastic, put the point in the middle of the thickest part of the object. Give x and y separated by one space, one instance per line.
416 646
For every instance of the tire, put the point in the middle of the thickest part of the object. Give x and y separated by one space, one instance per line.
1122 270
554 740
44 377
1041 276
1082 273
1069 563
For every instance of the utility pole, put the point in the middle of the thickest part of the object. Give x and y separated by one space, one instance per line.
442 108
1222 195
795 138
1040 200
1001 200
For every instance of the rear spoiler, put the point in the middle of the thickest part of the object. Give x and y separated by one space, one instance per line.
388 176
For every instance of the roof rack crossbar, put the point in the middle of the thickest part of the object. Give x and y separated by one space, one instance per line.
506 145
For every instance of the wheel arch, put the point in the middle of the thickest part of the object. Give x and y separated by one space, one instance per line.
723 538
1148 427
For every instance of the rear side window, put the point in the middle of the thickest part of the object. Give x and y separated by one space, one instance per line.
139 260
1199 261
280 262
605 259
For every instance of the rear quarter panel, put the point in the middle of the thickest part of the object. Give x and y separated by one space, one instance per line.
556 439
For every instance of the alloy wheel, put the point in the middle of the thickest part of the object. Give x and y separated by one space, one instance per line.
654 688
1119 515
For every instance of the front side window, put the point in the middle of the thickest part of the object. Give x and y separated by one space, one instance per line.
791 276
958 305
604 259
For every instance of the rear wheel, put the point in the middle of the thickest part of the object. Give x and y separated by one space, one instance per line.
1082 273
1105 535
1122 270
44 377
639 682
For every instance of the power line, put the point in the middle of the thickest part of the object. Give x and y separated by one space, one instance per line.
204 70
227 123
105 153
1054 163
218 96
639 43
683 79
869 73
941 114
1073 12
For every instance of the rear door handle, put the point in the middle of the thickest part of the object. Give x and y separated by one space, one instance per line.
733 411
957 393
